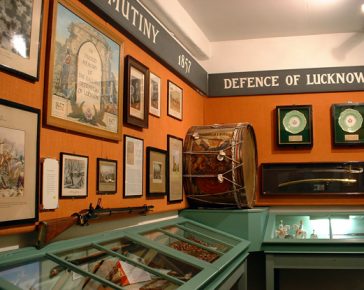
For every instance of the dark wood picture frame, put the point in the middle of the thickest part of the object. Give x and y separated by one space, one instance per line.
175 101
174 169
156 172
136 111
107 176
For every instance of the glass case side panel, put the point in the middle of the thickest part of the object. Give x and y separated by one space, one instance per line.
190 248
148 256
347 226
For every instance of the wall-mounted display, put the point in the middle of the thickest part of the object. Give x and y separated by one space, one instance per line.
107 176
175 174
21 25
347 124
50 183
294 125
156 171
74 175
175 101
19 155
84 86
155 95
136 93
133 166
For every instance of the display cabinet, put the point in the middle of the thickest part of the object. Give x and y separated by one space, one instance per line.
174 254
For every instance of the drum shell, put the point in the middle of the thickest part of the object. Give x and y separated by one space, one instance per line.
231 143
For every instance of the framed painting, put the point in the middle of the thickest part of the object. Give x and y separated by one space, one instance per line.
175 101
155 95
84 91
347 124
136 93
133 166
74 175
20 41
175 172
294 125
107 175
156 172
19 163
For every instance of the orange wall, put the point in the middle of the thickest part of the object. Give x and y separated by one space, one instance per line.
260 112
54 141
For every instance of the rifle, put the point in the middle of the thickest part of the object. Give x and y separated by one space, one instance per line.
48 230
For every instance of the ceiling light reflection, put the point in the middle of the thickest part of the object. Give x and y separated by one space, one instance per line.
19 45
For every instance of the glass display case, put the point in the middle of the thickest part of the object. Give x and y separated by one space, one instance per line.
173 254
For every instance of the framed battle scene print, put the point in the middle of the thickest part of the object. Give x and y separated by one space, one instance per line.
107 174
347 123
84 82
155 95
294 125
136 93
156 172
174 175
74 175
133 166
175 101
20 41
19 163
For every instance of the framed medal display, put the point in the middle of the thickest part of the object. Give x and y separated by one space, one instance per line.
347 124
294 125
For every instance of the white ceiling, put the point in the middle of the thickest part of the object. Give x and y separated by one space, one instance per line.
224 20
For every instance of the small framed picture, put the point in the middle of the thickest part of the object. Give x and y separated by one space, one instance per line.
107 175
136 93
74 175
155 95
20 41
175 174
175 101
294 125
133 166
347 123
156 171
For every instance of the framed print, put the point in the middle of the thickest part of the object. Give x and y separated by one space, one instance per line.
74 175
174 176
155 95
107 174
175 101
84 87
20 41
347 124
133 166
136 93
19 163
156 171
294 125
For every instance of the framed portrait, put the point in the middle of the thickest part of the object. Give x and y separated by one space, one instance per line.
107 175
175 170
74 175
19 163
21 27
294 125
136 93
154 95
133 166
347 124
156 172
175 101
84 91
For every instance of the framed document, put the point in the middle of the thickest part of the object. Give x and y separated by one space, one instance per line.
133 166
107 175
294 125
155 95
175 173
74 175
175 101
156 172
84 85
20 41
347 124
19 163
136 93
